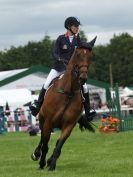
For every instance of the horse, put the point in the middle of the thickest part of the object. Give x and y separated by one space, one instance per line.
63 105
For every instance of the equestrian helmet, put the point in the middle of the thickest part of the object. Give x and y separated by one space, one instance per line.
71 21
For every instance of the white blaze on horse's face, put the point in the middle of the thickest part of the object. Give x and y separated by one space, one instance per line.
84 51
83 64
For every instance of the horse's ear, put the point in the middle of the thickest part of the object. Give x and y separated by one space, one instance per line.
91 43
88 45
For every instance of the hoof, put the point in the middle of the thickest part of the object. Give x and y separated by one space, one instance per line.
49 162
41 168
34 158
51 169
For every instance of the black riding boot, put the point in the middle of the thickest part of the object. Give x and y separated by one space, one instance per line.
89 115
35 107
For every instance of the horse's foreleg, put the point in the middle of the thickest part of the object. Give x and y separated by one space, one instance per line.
44 150
57 151
50 159
46 136
38 151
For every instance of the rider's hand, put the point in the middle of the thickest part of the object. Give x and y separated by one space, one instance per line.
60 59
65 62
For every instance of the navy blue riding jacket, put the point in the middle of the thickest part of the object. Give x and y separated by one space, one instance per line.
64 49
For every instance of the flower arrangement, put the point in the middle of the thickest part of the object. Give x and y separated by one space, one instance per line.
109 124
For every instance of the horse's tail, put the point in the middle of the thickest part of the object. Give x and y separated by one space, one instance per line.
84 125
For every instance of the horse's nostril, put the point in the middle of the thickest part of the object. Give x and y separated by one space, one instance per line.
82 81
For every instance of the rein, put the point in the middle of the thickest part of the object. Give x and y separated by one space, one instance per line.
65 62
76 73
94 125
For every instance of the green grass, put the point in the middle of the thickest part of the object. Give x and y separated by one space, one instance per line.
83 154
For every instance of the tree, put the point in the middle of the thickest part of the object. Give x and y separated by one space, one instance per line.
118 53
83 36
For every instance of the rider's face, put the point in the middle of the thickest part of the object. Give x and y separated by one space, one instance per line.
75 29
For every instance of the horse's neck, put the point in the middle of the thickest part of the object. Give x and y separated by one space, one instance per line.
69 82
66 81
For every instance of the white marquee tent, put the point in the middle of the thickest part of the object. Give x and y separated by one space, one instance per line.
15 97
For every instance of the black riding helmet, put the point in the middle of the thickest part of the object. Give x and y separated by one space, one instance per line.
71 21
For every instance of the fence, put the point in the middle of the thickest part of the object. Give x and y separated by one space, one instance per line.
16 121
2 121
125 115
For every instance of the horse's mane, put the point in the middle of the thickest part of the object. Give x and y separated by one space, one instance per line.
73 60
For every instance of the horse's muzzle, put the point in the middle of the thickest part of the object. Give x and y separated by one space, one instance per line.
82 80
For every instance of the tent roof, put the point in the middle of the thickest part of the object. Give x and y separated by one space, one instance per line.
7 77
6 74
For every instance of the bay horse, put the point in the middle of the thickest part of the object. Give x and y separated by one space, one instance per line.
63 105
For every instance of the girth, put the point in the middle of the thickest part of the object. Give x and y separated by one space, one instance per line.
61 90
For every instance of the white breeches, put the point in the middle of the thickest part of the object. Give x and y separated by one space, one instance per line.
53 74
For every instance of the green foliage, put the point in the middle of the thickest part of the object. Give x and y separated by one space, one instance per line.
83 36
118 53
84 154
34 53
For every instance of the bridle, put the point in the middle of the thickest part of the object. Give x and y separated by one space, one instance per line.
76 70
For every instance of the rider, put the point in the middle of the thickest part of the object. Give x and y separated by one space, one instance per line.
63 50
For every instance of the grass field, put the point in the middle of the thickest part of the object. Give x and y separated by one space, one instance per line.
84 155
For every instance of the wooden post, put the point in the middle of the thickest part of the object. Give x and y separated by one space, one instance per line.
118 105
111 75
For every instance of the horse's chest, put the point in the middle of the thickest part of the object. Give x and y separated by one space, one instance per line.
74 104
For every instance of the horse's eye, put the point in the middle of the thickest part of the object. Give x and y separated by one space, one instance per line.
78 56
